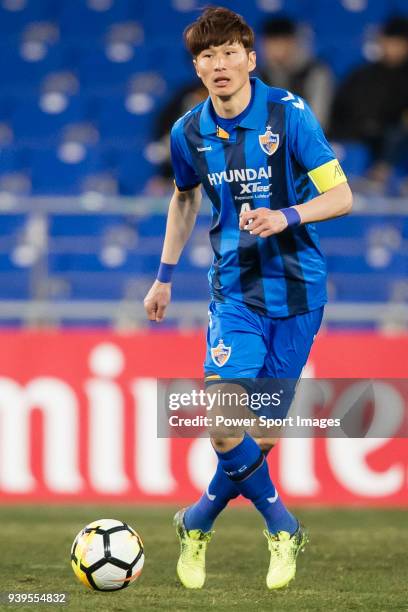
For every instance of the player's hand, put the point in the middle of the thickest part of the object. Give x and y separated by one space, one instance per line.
263 222
157 300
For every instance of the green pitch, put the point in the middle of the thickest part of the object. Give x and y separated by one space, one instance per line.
357 560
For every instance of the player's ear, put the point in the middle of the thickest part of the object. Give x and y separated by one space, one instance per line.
196 68
251 61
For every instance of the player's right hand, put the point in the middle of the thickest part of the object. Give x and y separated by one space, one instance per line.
157 300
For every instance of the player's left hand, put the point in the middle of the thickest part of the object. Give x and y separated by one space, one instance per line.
263 222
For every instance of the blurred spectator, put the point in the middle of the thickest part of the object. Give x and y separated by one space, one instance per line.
183 100
286 62
371 106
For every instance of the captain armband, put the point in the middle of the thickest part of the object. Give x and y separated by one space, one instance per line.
327 176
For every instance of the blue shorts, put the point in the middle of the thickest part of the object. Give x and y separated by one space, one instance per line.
242 344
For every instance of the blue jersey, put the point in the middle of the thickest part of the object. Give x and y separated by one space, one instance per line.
276 156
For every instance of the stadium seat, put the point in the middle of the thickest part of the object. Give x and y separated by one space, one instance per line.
23 76
84 285
133 169
33 125
15 284
53 176
86 226
102 76
173 16
355 157
14 16
130 123
12 159
361 288
89 19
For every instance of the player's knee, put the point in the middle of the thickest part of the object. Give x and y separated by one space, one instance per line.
266 444
223 445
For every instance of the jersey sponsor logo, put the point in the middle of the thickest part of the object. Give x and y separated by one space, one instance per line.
258 187
239 175
221 353
202 149
269 141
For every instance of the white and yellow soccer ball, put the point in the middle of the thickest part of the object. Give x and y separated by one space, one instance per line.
107 555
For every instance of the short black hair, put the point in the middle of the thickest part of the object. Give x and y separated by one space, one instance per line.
278 26
216 26
396 27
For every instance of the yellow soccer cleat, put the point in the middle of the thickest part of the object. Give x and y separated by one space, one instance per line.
193 544
284 549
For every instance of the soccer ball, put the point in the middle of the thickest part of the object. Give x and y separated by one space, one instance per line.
107 555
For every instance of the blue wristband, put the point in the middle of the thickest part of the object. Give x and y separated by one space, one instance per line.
292 216
165 272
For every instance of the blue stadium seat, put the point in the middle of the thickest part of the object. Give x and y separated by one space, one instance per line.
127 128
33 126
15 284
13 21
258 11
11 224
133 170
165 55
22 76
353 226
88 226
340 27
102 76
270 8
79 20
157 21
84 285
13 159
361 288
76 262
398 7
354 157
152 225
339 18
7 103
52 176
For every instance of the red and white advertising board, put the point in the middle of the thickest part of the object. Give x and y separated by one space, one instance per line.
78 422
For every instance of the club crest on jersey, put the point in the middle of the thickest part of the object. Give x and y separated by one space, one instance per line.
221 353
269 141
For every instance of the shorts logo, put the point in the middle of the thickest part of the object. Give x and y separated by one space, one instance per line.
269 141
221 353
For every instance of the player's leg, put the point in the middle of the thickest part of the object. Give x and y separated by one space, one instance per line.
290 342
234 338
235 349
245 465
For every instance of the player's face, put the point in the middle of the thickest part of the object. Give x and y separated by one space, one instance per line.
224 69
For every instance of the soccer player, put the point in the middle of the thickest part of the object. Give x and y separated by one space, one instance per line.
262 159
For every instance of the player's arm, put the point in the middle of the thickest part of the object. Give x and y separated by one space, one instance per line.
312 151
335 202
265 222
183 210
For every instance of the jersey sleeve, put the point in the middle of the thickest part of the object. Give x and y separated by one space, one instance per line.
185 177
309 146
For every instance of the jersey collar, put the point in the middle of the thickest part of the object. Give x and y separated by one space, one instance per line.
252 121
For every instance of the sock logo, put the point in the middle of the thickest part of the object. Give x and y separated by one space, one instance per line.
209 495
273 499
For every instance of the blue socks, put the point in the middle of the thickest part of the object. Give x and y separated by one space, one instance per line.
204 512
242 470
